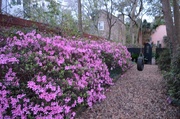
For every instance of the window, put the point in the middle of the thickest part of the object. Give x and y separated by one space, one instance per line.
13 2
43 4
16 2
101 25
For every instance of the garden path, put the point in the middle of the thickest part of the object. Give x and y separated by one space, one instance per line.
137 95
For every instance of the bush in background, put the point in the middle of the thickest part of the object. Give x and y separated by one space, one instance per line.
43 77
172 75
134 57
173 79
164 60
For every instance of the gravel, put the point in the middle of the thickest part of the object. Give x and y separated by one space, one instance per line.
136 95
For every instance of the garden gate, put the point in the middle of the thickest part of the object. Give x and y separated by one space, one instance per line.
148 53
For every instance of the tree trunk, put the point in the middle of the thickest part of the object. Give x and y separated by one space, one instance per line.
0 6
109 19
27 8
176 55
80 17
132 28
169 24
109 34
176 22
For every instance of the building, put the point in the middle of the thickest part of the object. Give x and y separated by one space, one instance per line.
118 31
157 37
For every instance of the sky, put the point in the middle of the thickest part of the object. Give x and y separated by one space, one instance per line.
148 18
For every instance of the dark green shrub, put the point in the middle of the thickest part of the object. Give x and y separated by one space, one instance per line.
134 56
173 80
164 60
153 54
156 56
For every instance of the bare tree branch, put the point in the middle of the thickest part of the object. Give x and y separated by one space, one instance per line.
140 9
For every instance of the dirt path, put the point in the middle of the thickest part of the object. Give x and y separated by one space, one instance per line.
138 95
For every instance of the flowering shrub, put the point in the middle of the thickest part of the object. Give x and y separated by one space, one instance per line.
42 77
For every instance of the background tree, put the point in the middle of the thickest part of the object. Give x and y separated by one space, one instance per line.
27 8
173 30
110 8
132 10
166 7
93 8
90 13
154 8
80 17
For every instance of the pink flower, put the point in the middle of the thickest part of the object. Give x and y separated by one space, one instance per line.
74 104
44 78
67 100
90 104
80 84
38 36
60 61
26 100
51 52
80 100
38 78
73 115
10 75
40 53
31 84
13 60
20 96
67 109
14 101
70 82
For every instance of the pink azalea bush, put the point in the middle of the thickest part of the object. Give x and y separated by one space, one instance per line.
43 77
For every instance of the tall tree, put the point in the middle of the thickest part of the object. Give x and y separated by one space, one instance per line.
176 20
95 8
111 22
169 23
154 8
0 6
80 17
173 31
132 10
90 11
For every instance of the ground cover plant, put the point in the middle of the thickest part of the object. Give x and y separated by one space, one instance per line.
173 81
172 76
49 77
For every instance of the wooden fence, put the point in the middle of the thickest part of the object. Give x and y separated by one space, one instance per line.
10 21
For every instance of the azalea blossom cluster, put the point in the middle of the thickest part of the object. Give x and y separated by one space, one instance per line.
43 77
